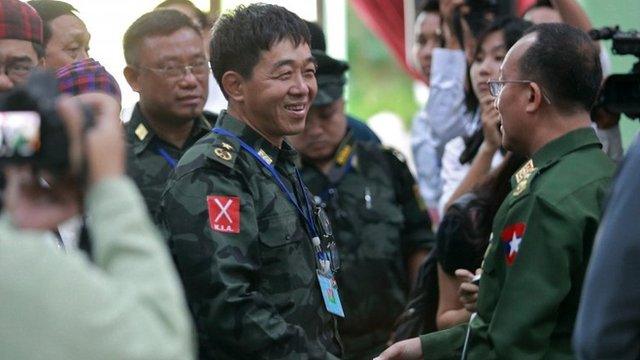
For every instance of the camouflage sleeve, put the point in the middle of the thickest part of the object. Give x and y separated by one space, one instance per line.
220 271
416 233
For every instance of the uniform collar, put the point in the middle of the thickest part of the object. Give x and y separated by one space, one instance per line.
564 145
345 150
286 156
548 155
140 134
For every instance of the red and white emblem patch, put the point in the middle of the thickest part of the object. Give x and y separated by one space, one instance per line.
511 238
224 213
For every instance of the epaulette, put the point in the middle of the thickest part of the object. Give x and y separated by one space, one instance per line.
223 150
523 177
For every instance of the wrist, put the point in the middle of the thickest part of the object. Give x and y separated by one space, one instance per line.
488 148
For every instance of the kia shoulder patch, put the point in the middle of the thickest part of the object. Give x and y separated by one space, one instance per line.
511 238
224 213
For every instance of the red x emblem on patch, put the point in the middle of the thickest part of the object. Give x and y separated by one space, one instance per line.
224 213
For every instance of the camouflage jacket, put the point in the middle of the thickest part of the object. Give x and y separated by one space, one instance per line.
378 219
243 252
148 168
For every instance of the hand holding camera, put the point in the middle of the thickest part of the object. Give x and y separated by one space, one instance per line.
76 142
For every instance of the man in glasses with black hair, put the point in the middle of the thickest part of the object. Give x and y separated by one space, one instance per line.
543 232
167 66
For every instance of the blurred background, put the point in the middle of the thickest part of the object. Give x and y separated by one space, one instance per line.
371 34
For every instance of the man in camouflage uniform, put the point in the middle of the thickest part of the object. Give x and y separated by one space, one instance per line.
380 224
167 66
237 216
543 232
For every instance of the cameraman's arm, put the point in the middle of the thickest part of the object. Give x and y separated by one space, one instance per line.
128 304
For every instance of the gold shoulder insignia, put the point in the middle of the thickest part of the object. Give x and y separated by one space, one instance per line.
141 132
227 146
520 187
525 171
222 154
343 155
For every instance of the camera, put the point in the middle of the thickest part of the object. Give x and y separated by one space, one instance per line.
620 93
31 130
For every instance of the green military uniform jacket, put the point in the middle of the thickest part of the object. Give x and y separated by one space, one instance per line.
244 253
378 221
145 165
537 256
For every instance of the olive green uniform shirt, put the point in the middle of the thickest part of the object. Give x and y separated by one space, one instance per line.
145 165
253 292
378 221
537 257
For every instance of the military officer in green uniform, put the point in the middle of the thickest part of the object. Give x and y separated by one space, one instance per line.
251 250
544 230
167 66
379 222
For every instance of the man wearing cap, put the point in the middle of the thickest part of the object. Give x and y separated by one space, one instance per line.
65 36
20 43
167 66
380 224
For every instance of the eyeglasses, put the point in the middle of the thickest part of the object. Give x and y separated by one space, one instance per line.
496 87
18 71
172 72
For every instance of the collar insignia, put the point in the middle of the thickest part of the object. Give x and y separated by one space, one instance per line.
141 132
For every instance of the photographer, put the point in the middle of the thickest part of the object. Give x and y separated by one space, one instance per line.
127 304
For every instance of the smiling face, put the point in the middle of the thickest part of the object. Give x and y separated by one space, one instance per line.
69 42
276 98
164 97
486 64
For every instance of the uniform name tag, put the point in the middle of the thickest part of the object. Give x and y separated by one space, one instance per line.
330 294
224 213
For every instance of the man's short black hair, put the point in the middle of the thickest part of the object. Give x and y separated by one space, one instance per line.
241 35
162 22
50 10
566 63
203 19
429 6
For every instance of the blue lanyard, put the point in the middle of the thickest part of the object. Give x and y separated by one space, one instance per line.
276 177
170 160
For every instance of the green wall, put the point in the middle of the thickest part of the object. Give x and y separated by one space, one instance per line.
625 13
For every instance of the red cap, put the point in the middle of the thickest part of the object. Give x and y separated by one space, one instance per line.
19 21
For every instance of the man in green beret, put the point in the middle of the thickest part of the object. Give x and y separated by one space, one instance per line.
543 232
381 226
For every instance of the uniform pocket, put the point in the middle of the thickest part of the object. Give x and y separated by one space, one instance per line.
278 230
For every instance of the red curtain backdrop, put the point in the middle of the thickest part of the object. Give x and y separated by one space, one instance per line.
386 19
523 5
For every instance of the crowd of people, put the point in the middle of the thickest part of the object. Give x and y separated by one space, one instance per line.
277 226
